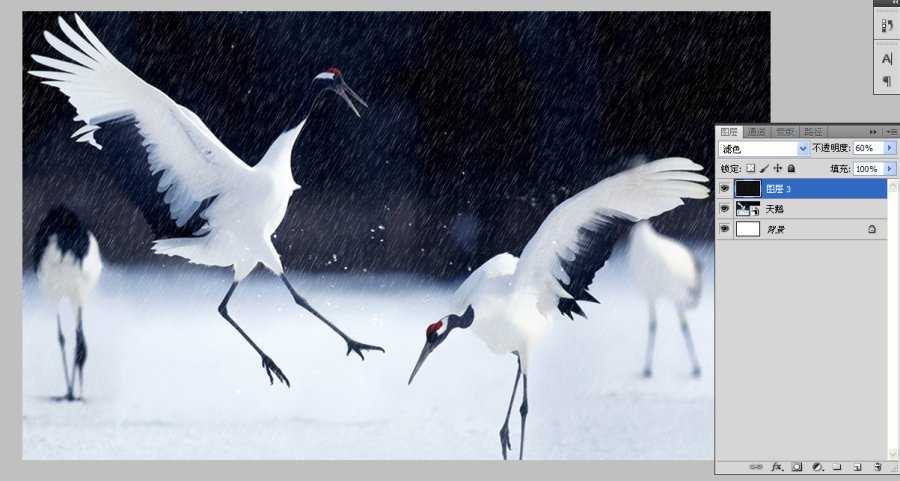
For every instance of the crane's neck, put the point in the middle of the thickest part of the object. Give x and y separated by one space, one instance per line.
279 155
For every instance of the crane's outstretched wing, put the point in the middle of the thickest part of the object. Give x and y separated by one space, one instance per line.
194 166
578 236
501 265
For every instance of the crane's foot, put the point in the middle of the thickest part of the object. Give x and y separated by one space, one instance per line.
68 397
648 373
270 368
358 348
696 372
504 439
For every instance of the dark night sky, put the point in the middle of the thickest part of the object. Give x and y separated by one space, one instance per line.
479 123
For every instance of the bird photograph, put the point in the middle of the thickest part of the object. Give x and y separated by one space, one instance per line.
281 202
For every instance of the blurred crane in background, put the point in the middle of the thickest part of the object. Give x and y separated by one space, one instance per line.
68 265
664 269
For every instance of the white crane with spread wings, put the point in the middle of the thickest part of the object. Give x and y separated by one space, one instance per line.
224 211
509 302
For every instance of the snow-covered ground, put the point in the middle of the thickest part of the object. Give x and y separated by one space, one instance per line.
167 378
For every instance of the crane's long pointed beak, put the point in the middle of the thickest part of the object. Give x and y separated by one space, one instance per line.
356 96
425 352
344 90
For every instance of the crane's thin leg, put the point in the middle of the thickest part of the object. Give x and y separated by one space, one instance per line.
80 356
352 346
651 340
504 431
62 349
690 343
267 362
523 411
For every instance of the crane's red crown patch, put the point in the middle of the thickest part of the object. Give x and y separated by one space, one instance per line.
433 328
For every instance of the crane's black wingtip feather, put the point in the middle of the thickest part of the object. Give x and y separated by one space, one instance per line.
124 141
595 243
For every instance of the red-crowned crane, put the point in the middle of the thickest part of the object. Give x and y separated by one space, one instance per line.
664 269
67 262
222 212
510 302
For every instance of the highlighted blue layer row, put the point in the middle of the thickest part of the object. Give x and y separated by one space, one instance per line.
823 188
